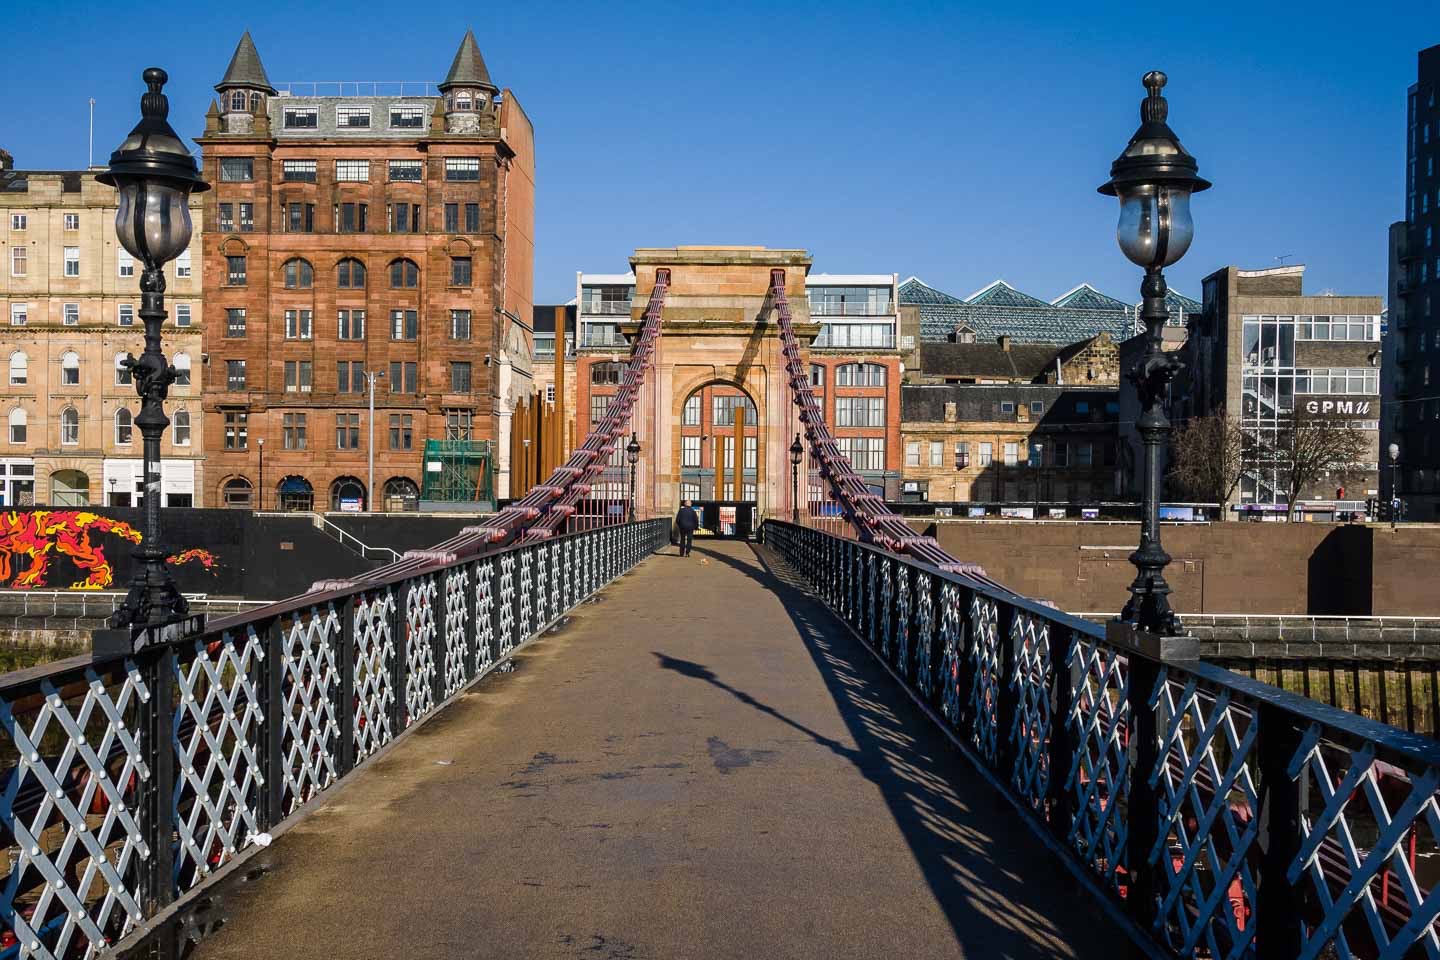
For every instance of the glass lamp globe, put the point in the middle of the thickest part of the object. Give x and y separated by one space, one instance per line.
153 220
797 451
1155 226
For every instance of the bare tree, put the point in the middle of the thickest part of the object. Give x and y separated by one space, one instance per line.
1206 460
1312 445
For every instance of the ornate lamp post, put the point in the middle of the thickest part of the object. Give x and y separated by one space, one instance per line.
1153 178
1394 452
632 454
797 453
154 175
1037 457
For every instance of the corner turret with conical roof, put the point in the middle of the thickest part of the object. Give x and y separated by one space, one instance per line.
244 88
468 90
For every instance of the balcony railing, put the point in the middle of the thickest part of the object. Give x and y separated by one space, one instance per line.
819 311
606 308
131 780
1227 817
603 338
826 341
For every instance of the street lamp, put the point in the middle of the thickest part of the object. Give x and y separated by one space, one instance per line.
370 377
154 175
1394 452
797 453
632 453
1153 179
260 490
1037 457
112 491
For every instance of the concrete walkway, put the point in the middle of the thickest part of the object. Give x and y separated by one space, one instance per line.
700 764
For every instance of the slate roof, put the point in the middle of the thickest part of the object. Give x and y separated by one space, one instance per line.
468 67
245 69
998 309
1023 361
18 181
926 403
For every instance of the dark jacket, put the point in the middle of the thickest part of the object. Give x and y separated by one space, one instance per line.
686 519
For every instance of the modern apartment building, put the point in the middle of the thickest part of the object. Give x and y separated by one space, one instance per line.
1413 420
364 238
71 295
1261 350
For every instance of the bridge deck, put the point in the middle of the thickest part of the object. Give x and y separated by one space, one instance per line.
701 764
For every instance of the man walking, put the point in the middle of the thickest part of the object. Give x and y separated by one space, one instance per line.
685 523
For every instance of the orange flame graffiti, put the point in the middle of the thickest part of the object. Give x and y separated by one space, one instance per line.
44 534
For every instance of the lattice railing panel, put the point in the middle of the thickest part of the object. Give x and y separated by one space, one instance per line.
310 685
76 760
375 693
485 644
457 629
420 663
1031 726
1099 777
505 628
985 665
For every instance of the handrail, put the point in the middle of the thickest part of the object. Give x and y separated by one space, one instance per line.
1153 777
324 523
127 783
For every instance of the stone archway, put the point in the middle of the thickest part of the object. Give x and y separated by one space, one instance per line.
706 453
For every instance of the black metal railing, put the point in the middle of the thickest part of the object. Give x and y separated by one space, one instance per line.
1226 817
126 783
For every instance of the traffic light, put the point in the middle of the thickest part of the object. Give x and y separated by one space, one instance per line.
1372 505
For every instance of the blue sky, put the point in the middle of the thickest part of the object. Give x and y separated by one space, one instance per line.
959 143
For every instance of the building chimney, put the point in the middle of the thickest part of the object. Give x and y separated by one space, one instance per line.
7 162
1005 342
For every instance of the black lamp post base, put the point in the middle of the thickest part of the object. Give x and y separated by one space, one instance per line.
153 600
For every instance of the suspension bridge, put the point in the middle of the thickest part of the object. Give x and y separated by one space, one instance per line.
551 737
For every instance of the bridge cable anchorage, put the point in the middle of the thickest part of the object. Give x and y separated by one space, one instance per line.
865 512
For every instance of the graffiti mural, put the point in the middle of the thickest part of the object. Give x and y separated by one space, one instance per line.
42 536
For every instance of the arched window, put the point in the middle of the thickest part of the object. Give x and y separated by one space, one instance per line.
350 274
69 369
180 429
124 425
69 488
860 375
19 368
122 372
347 493
401 494
237 494
69 427
404 274
299 275
182 369
296 494
237 100
17 425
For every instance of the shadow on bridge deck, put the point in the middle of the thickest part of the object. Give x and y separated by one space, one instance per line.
702 764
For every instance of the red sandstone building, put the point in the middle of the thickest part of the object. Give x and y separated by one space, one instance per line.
359 238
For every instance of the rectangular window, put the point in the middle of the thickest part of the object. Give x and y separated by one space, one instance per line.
182 265
247 217
912 453
19 314
351 217
598 405
19 221
402 376
460 271
234 374
235 271
125 263
19 261
860 412
689 451
987 454
458 424
459 324
72 315
751 453
72 221
347 431
237 169
227 217
352 118
182 428
298 325
962 455
1012 454
462 168
352 324
459 376
402 432
72 262
549 393
404 218
865 453
237 429
1084 454
235 322
126 315
1007 407
302 217
182 314
691 414
407 117
297 376
352 171
407 171
349 376
294 431
472 218
404 325
722 412
301 118
298 171
1062 453
452 218
937 453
